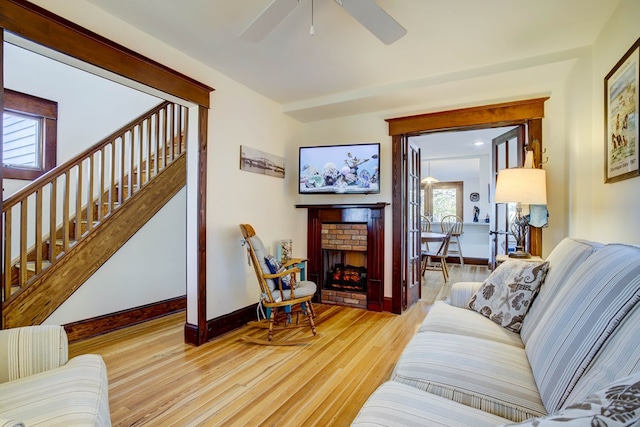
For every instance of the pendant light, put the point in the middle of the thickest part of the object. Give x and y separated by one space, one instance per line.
429 179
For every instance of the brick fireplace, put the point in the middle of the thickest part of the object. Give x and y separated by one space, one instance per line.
345 248
344 263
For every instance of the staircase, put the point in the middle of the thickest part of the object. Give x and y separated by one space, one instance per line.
62 227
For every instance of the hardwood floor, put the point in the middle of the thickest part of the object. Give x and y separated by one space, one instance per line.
157 380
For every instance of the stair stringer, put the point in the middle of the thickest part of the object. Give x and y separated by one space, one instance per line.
57 283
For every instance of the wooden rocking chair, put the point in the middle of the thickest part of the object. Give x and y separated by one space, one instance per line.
281 304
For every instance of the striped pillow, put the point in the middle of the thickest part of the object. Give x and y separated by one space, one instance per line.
580 320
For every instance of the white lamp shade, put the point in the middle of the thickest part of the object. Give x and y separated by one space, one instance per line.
521 185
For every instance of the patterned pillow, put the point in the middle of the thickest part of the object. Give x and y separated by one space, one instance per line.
506 295
276 267
615 406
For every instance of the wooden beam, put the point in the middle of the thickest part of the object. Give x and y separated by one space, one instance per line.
50 30
495 115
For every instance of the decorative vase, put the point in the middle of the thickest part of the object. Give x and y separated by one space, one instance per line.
286 247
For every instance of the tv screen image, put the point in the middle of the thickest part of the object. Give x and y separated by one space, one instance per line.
340 169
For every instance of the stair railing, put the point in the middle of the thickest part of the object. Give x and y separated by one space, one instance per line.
48 217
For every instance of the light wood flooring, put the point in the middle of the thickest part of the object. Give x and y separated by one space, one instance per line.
157 380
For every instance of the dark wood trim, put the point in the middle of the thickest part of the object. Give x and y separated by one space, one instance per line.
38 300
228 322
50 30
203 124
495 115
387 304
114 321
1 162
44 110
345 206
397 240
535 144
191 335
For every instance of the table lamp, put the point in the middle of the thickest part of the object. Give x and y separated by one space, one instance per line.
526 186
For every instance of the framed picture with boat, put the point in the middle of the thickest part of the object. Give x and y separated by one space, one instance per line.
252 160
621 90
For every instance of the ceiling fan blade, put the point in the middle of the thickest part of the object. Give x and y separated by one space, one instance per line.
374 19
268 20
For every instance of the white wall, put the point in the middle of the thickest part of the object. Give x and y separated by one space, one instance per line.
599 211
150 267
90 108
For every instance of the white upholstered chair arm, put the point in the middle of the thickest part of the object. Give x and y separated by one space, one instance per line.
30 350
462 292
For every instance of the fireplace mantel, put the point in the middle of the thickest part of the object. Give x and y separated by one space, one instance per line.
370 213
346 206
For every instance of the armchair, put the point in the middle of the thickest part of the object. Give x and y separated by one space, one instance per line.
40 386
280 301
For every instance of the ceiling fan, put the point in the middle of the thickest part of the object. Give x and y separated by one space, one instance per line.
367 12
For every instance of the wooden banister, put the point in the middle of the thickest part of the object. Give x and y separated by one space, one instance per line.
84 191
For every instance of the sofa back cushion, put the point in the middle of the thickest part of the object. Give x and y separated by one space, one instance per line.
619 358
581 318
563 260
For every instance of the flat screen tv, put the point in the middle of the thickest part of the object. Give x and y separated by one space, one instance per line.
340 169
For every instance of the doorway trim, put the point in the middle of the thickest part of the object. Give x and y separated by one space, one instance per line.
529 112
48 29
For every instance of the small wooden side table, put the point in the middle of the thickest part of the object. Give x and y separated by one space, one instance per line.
502 258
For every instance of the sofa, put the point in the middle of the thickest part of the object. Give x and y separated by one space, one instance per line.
569 356
39 386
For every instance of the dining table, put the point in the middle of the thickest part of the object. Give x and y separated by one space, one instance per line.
431 236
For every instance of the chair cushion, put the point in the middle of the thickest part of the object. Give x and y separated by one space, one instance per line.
581 318
506 295
304 289
261 253
487 375
396 404
617 405
276 267
446 318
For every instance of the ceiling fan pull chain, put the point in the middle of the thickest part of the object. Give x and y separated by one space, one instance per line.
311 30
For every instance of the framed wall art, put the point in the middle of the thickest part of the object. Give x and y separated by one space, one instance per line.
621 117
252 160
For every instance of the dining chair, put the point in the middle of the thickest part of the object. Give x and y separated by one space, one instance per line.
455 224
439 255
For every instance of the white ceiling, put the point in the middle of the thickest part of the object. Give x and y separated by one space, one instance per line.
452 48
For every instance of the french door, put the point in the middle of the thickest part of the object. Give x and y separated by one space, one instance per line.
413 225
507 152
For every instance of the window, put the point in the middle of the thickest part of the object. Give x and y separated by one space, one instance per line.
29 143
442 199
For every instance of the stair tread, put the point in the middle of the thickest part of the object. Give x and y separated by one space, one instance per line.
31 265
